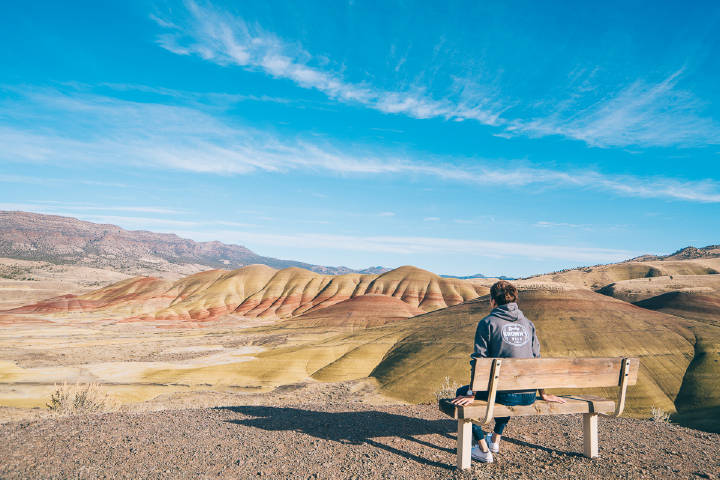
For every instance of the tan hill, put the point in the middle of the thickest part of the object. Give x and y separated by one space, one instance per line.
67 240
599 276
699 399
570 323
260 291
701 304
639 289
291 292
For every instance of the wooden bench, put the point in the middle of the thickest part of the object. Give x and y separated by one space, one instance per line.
530 373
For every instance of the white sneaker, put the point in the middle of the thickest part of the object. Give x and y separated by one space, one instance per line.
480 456
493 447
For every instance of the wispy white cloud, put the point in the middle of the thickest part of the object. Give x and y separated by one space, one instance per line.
386 214
388 130
544 224
222 100
45 180
73 128
82 214
133 221
641 113
234 224
419 245
315 222
171 211
113 208
227 39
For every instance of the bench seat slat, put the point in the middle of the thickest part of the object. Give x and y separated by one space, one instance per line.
575 404
529 373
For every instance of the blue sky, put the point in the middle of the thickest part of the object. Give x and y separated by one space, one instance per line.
503 138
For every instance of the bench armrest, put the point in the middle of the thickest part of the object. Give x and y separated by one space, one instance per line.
492 391
624 373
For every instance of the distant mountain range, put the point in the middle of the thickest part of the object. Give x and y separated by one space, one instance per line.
66 240
478 275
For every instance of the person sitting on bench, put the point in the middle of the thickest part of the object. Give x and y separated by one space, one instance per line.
504 333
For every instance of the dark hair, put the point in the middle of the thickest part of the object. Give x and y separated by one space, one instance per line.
503 292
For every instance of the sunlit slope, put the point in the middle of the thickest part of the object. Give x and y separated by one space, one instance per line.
643 288
293 291
323 353
260 291
699 398
597 277
570 323
424 289
209 294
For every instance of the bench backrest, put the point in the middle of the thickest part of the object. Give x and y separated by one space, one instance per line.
529 373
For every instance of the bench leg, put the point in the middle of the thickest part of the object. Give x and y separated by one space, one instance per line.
590 435
464 444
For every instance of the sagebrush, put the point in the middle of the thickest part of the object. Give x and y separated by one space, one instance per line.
77 399
447 389
659 415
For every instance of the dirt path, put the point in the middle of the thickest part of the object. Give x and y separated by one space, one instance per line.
336 441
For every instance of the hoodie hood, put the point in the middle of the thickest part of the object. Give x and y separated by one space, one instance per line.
508 312
506 333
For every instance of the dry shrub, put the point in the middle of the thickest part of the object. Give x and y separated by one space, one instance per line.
447 389
79 399
659 415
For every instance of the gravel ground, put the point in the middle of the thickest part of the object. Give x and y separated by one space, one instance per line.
336 441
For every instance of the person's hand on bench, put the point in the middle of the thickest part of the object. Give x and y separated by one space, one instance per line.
551 398
463 400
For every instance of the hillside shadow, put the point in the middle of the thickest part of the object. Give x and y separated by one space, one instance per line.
350 427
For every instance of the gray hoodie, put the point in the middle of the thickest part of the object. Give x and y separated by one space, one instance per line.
505 333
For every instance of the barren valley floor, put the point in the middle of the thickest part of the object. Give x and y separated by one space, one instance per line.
162 365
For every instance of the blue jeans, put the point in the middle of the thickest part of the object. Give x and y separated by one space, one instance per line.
507 398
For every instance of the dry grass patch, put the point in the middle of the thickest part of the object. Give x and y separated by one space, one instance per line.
79 399
447 389
659 415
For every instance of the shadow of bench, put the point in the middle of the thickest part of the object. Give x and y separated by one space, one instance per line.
354 427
